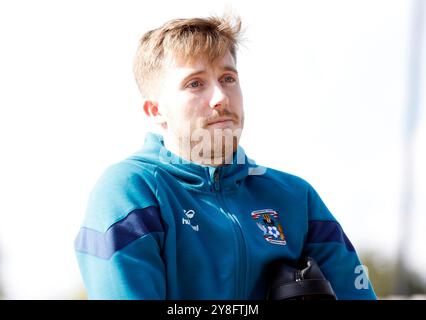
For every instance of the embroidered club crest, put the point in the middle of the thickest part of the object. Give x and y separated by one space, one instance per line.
268 221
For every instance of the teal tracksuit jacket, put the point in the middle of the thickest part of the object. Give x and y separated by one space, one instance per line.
158 227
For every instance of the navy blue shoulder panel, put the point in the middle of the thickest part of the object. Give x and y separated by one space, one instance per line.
327 231
136 224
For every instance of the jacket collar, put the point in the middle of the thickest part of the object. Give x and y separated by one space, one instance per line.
195 176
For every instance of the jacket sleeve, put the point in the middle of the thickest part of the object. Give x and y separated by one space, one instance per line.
119 246
327 243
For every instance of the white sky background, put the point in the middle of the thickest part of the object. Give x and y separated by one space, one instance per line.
325 87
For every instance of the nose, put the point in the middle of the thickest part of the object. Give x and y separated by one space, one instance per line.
219 98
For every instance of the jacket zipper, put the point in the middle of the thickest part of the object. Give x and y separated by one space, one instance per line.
241 248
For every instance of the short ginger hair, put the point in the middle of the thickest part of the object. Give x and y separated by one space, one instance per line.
210 37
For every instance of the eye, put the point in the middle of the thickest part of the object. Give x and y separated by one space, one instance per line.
228 79
194 84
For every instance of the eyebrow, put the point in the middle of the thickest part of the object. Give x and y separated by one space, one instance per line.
230 68
198 72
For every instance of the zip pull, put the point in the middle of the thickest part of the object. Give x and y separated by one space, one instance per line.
298 275
216 180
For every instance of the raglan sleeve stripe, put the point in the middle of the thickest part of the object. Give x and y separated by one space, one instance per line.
327 231
135 225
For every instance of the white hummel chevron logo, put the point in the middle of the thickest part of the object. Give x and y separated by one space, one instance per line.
190 214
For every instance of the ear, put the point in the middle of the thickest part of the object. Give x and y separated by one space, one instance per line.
150 107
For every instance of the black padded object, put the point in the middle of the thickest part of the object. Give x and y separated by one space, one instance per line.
303 282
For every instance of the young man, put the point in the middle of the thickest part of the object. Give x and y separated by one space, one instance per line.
190 216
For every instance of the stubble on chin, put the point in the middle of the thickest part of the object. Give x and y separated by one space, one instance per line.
209 146
215 147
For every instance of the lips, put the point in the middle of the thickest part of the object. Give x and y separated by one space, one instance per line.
219 120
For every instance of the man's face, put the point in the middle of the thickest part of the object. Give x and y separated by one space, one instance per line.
202 101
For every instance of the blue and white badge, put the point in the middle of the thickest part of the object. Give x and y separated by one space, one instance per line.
268 221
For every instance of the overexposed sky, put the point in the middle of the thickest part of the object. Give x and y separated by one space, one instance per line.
325 90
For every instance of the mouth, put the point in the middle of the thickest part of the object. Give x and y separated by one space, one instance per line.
220 123
220 120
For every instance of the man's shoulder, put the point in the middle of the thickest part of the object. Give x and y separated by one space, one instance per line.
128 170
123 187
286 178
